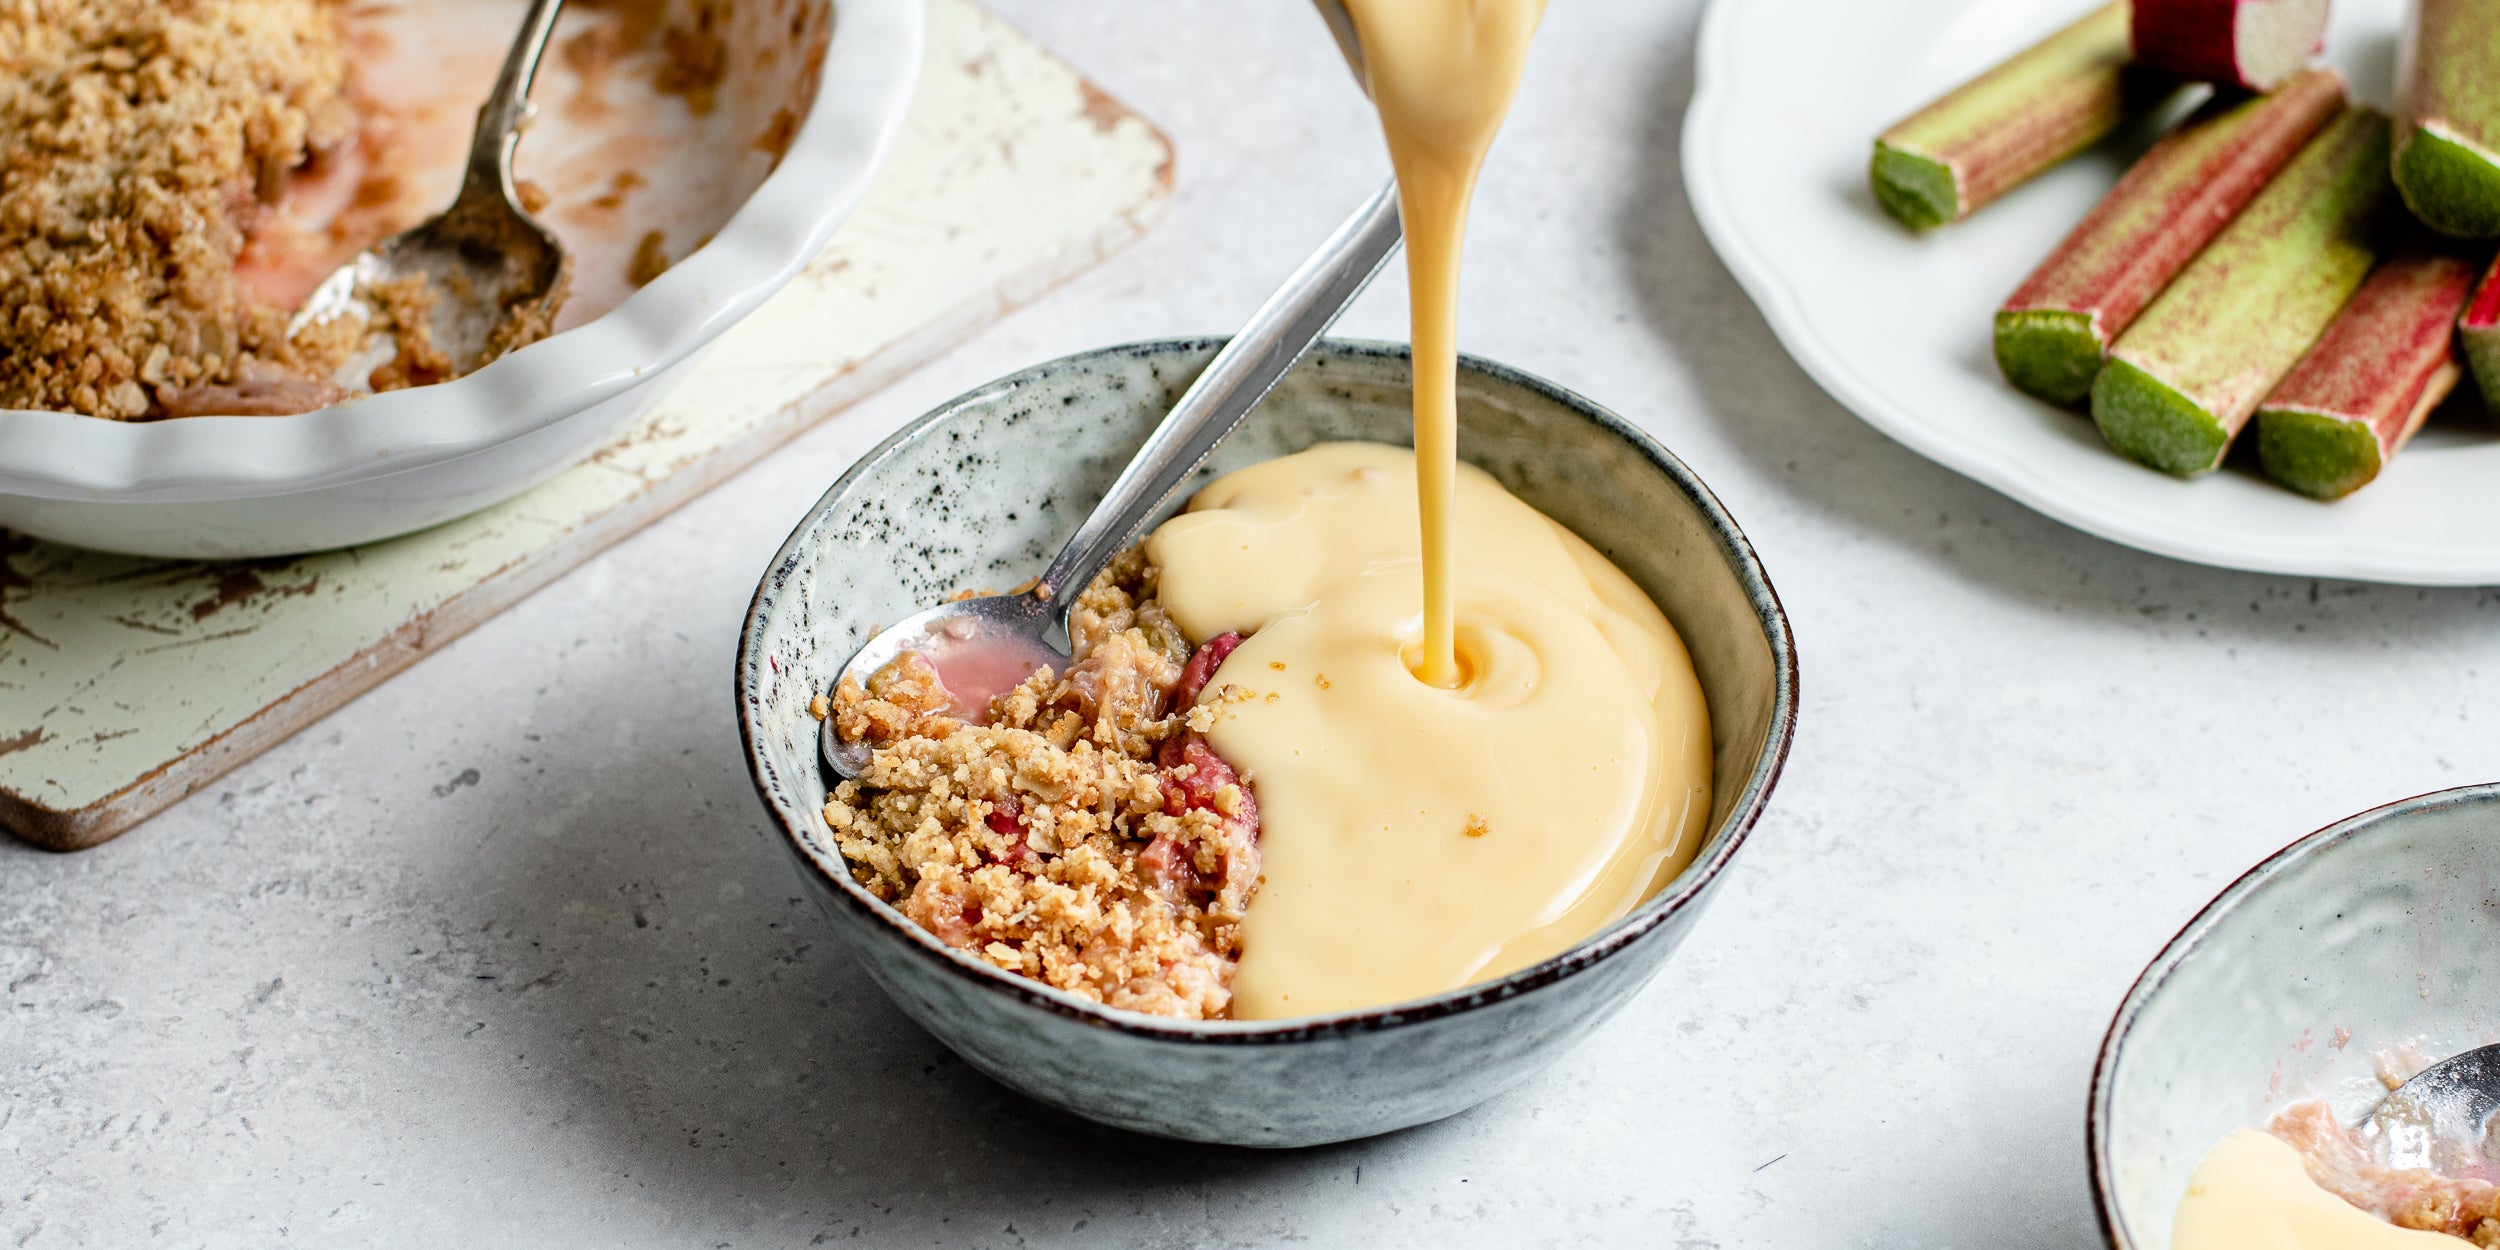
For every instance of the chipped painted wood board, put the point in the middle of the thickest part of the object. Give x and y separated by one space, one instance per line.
128 683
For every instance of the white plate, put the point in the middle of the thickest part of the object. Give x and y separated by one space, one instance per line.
1791 94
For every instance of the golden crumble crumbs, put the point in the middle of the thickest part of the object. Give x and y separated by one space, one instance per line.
1082 832
140 140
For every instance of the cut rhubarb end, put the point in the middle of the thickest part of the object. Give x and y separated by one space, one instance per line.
2387 359
1918 191
2451 184
2185 191
2254 44
1998 130
2320 456
2478 332
2448 115
2054 355
2152 423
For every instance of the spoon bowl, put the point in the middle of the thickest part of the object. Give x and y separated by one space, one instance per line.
981 648
492 276
2441 1119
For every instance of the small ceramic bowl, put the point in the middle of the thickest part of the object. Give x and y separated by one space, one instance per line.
390 464
983 490
2371 935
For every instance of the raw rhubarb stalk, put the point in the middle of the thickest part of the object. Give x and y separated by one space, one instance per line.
2478 332
2052 334
2237 43
2387 359
1996 131
2448 116
2182 381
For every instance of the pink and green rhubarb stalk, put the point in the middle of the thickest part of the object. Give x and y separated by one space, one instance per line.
2052 335
1998 130
2447 159
2387 359
2184 379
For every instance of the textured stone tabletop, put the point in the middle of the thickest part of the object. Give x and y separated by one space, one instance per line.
502 952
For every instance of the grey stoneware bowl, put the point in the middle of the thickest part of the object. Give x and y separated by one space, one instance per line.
982 491
2372 933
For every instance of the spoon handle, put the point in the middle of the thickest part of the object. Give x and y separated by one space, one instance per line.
1276 338
507 107
1341 28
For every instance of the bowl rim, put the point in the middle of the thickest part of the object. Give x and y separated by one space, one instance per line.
2157 974
1688 887
865 86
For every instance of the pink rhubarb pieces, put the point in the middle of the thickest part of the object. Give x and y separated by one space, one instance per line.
2052 334
2385 361
2237 43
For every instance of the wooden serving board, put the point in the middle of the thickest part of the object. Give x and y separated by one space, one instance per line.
126 683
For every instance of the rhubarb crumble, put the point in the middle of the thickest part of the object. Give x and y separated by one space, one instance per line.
139 140
156 157
1079 830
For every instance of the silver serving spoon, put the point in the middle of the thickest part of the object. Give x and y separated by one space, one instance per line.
2442 1118
495 273
997 640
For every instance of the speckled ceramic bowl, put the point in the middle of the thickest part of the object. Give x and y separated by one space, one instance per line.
2371 933
983 490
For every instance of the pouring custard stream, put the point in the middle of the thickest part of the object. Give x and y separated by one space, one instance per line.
1442 73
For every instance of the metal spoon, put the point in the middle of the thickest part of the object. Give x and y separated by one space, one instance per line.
2442 1118
1012 635
1341 26
495 273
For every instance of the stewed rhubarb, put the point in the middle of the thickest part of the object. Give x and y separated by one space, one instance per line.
2000 129
2387 359
2185 378
2052 334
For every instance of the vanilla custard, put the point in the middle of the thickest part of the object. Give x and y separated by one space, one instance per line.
1420 838
2252 1192
1474 742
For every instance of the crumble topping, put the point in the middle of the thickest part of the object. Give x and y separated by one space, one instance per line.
1082 832
140 140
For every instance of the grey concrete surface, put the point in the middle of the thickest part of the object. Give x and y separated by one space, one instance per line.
501 954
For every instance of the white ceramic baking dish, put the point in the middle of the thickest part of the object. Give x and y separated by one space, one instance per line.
389 464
